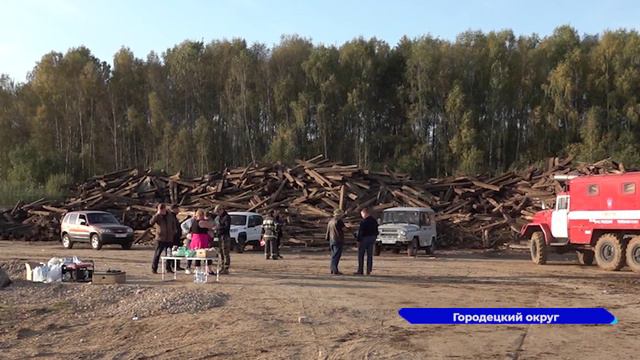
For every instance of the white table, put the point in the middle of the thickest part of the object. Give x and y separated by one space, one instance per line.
175 259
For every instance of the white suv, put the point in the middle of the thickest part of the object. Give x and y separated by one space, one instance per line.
407 228
246 229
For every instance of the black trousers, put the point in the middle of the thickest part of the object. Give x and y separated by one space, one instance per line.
366 246
161 247
336 253
278 238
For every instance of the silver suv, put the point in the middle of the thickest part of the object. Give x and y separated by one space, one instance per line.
407 228
95 227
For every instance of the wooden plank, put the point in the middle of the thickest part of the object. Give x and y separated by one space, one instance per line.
486 186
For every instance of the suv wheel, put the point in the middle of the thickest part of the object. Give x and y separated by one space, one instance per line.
96 243
127 245
377 248
240 242
66 241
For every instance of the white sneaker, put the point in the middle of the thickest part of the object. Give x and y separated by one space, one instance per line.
187 271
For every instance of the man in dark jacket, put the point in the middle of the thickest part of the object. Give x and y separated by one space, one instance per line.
165 229
367 234
177 238
335 237
224 232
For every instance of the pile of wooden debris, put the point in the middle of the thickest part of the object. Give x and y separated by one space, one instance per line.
471 211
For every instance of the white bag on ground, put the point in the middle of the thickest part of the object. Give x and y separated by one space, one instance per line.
39 273
54 274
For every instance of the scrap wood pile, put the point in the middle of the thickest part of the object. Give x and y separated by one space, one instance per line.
471 211
486 210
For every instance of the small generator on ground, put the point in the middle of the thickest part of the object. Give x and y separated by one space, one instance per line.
78 272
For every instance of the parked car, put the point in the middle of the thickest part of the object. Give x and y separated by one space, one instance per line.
95 227
407 228
246 229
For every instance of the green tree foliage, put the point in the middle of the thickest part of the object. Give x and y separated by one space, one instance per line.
484 102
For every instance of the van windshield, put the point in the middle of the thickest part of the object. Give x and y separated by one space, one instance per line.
238 220
401 217
99 218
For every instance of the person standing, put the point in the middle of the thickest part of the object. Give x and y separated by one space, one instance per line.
279 229
269 235
224 232
199 236
165 227
367 234
177 239
335 237
185 227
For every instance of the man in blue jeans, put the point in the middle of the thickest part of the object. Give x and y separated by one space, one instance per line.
367 234
335 237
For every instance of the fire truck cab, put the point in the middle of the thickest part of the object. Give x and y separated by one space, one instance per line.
597 216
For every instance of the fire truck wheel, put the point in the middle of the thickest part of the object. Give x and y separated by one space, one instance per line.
633 254
538 248
585 257
610 252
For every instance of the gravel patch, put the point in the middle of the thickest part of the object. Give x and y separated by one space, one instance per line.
88 301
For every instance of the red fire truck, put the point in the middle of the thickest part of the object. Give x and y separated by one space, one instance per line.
597 216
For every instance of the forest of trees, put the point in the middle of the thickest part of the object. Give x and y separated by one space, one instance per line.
485 102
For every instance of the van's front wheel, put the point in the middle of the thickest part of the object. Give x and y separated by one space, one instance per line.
412 248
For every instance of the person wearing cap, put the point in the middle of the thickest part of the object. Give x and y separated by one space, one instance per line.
223 230
335 237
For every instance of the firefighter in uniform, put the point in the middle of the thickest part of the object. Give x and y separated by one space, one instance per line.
269 236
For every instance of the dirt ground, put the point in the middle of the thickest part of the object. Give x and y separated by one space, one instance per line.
254 312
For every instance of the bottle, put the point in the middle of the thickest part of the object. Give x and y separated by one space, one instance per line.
198 277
